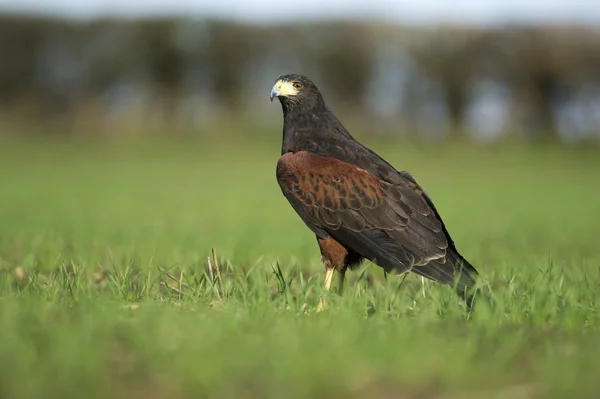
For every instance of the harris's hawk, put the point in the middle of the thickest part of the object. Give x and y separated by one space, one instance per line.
357 204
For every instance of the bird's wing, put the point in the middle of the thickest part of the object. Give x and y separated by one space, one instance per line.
390 224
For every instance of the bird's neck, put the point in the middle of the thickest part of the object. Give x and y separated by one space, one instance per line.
302 119
303 128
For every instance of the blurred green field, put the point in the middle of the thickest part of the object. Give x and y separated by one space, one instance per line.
104 288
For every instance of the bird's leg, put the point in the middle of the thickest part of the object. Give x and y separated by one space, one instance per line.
333 255
328 278
342 279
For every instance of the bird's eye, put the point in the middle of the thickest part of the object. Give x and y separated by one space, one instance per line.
297 85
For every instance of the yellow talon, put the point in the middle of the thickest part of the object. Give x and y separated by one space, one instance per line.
322 305
328 278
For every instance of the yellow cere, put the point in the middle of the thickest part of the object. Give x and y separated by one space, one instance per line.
286 88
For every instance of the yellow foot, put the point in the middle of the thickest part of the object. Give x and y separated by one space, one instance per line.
328 277
322 305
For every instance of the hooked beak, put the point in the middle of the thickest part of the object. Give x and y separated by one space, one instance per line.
275 92
283 88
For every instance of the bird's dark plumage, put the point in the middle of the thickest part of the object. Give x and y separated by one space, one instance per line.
357 204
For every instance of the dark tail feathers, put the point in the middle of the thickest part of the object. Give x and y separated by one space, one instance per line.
456 271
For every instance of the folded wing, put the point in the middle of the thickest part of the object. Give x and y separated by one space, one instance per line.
391 224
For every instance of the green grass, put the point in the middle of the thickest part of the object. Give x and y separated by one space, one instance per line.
105 292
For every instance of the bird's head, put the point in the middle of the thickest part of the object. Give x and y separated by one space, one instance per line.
296 90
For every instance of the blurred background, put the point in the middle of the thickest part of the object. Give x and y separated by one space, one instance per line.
138 135
472 70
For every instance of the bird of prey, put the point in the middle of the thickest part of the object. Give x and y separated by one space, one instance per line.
357 204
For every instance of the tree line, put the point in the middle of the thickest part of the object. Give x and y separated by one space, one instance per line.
541 79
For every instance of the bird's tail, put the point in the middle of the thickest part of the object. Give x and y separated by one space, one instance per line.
465 281
456 271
